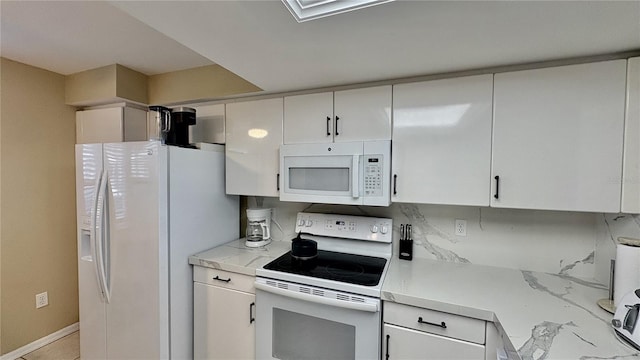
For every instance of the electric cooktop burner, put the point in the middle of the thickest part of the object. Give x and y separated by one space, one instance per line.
330 265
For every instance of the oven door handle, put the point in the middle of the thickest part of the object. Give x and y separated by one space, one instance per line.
318 299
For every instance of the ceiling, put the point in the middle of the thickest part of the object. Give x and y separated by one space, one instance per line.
72 36
261 42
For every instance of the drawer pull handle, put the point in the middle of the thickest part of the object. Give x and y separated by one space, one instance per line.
220 279
442 324
386 356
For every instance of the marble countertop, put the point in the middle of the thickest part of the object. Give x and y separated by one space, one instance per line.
234 256
539 316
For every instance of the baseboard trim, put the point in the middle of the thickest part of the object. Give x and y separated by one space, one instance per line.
41 342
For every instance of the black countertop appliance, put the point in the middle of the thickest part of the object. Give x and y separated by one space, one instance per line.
181 119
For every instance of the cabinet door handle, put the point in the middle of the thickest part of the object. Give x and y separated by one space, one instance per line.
278 182
328 121
221 279
497 194
395 182
337 118
386 356
251 317
442 324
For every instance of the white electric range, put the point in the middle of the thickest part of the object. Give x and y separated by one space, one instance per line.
331 308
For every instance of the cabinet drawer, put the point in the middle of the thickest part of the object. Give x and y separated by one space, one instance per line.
457 327
224 279
402 343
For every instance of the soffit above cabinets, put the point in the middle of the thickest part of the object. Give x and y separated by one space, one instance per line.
261 42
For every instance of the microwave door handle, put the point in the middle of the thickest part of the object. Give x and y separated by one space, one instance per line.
355 179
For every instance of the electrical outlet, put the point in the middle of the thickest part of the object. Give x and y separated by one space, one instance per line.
461 227
42 299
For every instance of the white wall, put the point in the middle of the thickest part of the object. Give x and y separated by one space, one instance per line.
564 243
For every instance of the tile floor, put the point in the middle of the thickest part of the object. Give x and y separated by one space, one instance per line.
66 348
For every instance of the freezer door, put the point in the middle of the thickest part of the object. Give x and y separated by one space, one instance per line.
136 244
202 216
92 310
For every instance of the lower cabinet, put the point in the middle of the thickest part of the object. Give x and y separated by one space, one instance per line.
410 332
403 343
224 317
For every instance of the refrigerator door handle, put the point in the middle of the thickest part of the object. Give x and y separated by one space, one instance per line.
101 219
95 231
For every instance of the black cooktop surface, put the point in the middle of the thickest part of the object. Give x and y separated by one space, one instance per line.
349 268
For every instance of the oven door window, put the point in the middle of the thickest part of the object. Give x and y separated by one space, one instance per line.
290 328
298 334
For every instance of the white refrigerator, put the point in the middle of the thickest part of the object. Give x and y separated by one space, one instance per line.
143 208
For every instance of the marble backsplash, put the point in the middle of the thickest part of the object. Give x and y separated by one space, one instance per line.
566 243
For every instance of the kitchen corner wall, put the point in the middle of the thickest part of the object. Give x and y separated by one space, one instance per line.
564 243
37 212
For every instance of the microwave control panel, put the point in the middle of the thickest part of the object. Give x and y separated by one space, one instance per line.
373 175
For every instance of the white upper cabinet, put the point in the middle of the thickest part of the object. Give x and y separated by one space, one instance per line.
209 127
253 138
631 167
557 138
113 124
441 148
308 119
341 116
363 114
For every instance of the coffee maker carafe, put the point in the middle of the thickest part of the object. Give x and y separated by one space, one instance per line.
258 227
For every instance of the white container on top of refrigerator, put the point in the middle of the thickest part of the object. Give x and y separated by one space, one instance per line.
135 285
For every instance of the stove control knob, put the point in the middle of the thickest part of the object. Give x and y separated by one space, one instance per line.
374 229
308 223
384 229
300 222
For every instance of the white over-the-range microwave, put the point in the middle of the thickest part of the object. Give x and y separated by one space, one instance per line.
351 173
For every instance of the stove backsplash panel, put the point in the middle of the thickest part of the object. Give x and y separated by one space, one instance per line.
566 243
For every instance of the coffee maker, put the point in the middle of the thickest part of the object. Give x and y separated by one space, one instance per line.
258 227
171 126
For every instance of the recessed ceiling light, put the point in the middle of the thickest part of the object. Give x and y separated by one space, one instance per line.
304 10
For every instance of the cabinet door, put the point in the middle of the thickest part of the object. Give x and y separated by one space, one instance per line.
99 126
209 127
107 125
631 167
363 114
557 137
308 119
254 136
223 325
403 343
441 148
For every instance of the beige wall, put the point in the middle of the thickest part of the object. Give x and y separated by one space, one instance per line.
38 230
201 83
104 85
117 83
1 207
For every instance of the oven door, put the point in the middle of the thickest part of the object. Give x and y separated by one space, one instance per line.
294 325
328 173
